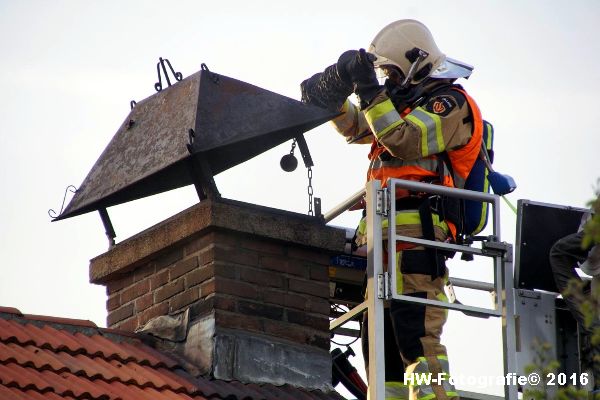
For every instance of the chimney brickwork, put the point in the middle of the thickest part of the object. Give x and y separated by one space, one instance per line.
254 281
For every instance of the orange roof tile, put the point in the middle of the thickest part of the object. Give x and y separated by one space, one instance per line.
49 358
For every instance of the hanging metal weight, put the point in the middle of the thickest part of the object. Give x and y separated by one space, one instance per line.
289 162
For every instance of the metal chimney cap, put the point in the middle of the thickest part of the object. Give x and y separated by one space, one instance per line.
206 119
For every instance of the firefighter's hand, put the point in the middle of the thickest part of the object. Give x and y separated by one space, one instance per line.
356 67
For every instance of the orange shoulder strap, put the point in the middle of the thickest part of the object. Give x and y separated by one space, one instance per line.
464 158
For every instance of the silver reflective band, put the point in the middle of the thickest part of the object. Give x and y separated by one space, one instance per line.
387 119
452 69
433 131
426 163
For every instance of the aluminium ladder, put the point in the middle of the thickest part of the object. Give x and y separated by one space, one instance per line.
381 286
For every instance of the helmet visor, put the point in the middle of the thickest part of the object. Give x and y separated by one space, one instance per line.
379 60
391 72
452 69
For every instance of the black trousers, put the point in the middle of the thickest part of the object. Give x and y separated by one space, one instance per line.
412 330
564 256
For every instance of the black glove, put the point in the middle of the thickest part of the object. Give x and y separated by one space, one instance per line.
310 93
326 89
356 67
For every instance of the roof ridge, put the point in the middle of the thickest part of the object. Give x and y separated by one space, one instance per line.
15 312
10 310
86 323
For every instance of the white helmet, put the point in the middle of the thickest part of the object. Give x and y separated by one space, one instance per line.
408 45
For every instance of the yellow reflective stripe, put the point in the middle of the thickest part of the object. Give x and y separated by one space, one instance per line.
432 140
432 396
449 388
442 297
383 118
405 217
423 381
378 110
396 391
399 276
421 368
395 384
423 128
484 206
486 183
362 226
438 133
413 218
490 134
446 384
439 357
435 139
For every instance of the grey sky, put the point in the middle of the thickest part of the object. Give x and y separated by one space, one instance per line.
70 68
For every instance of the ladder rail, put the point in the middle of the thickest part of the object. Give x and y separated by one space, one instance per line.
381 286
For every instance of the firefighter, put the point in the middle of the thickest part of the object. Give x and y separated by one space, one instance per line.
565 254
421 126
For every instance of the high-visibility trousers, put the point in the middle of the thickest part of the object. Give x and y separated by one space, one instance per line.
415 359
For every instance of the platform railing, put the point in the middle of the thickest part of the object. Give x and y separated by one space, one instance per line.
381 284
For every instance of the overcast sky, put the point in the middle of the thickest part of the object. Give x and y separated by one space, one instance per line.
70 68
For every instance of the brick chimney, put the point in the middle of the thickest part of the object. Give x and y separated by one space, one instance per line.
252 282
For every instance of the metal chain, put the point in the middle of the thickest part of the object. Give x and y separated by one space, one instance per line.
293 147
310 192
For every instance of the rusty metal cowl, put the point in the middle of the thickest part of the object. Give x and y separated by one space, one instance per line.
206 122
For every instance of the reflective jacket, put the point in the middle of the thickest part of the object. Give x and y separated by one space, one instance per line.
406 144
